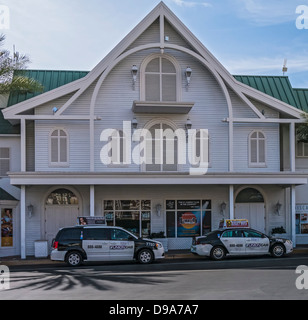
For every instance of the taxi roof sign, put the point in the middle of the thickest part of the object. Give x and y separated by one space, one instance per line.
233 223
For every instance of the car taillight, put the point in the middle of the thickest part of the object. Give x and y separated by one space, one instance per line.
55 245
197 241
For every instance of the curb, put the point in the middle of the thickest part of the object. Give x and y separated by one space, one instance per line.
17 261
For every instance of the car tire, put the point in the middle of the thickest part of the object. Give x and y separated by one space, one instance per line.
278 250
145 256
218 253
74 259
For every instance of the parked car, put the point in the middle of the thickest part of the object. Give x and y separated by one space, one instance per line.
74 245
239 241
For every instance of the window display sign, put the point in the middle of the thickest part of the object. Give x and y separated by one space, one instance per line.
301 218
188 218
188 223
6 228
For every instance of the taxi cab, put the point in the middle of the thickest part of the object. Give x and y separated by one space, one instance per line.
79 244
235 238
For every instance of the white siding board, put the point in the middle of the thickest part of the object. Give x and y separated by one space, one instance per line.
79 145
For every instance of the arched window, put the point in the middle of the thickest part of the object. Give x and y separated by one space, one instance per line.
249 195
62 197
58 148
161 148
257 149
160 79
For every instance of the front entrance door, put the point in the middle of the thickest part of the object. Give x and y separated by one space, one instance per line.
58 217
61 210
250 205
253 212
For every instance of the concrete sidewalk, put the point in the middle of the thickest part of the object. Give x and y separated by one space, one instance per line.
170 255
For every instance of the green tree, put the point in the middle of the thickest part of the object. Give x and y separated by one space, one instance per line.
9 80
302 129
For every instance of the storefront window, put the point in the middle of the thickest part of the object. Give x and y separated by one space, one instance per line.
132 215
6 228
302 219
188 218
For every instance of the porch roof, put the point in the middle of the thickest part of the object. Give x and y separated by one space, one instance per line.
97 178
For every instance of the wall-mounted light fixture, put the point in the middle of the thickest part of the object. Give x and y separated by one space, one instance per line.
188 124
30 210
188 73
158 209
54 110
278 206
134 124
134 74
223 208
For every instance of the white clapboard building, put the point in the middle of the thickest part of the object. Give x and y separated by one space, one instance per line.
158 138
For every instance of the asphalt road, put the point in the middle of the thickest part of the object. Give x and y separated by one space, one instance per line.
194 279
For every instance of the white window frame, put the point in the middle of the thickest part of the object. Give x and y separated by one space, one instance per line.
301 145
143 76
257 164
161 122
9 159
59 163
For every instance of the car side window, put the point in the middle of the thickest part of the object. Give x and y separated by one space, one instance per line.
252 234
232 234
71 234
120 235
96 234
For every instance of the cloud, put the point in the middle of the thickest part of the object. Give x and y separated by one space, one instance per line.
266 66
264 12
191 4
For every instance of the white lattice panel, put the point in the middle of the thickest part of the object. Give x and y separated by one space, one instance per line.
41 249
179 243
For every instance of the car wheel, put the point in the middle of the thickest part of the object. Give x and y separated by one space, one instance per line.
145 256
278 251
73 259
218 253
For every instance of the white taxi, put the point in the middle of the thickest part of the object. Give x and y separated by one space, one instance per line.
239 241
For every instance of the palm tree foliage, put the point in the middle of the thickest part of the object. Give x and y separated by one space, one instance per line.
9 82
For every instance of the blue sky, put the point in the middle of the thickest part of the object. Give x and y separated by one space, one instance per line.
246 36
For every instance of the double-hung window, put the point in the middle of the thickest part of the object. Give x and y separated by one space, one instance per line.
4 161
59 148
257 149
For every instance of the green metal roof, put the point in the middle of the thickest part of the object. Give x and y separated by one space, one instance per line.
278 87
50 79
6 127
302 97
6 196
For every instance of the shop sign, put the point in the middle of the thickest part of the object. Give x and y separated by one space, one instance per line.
82 221
301 208
233 223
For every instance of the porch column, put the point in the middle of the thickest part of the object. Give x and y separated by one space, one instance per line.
292 146
23 145
231 201
23 222
92 201
292 212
